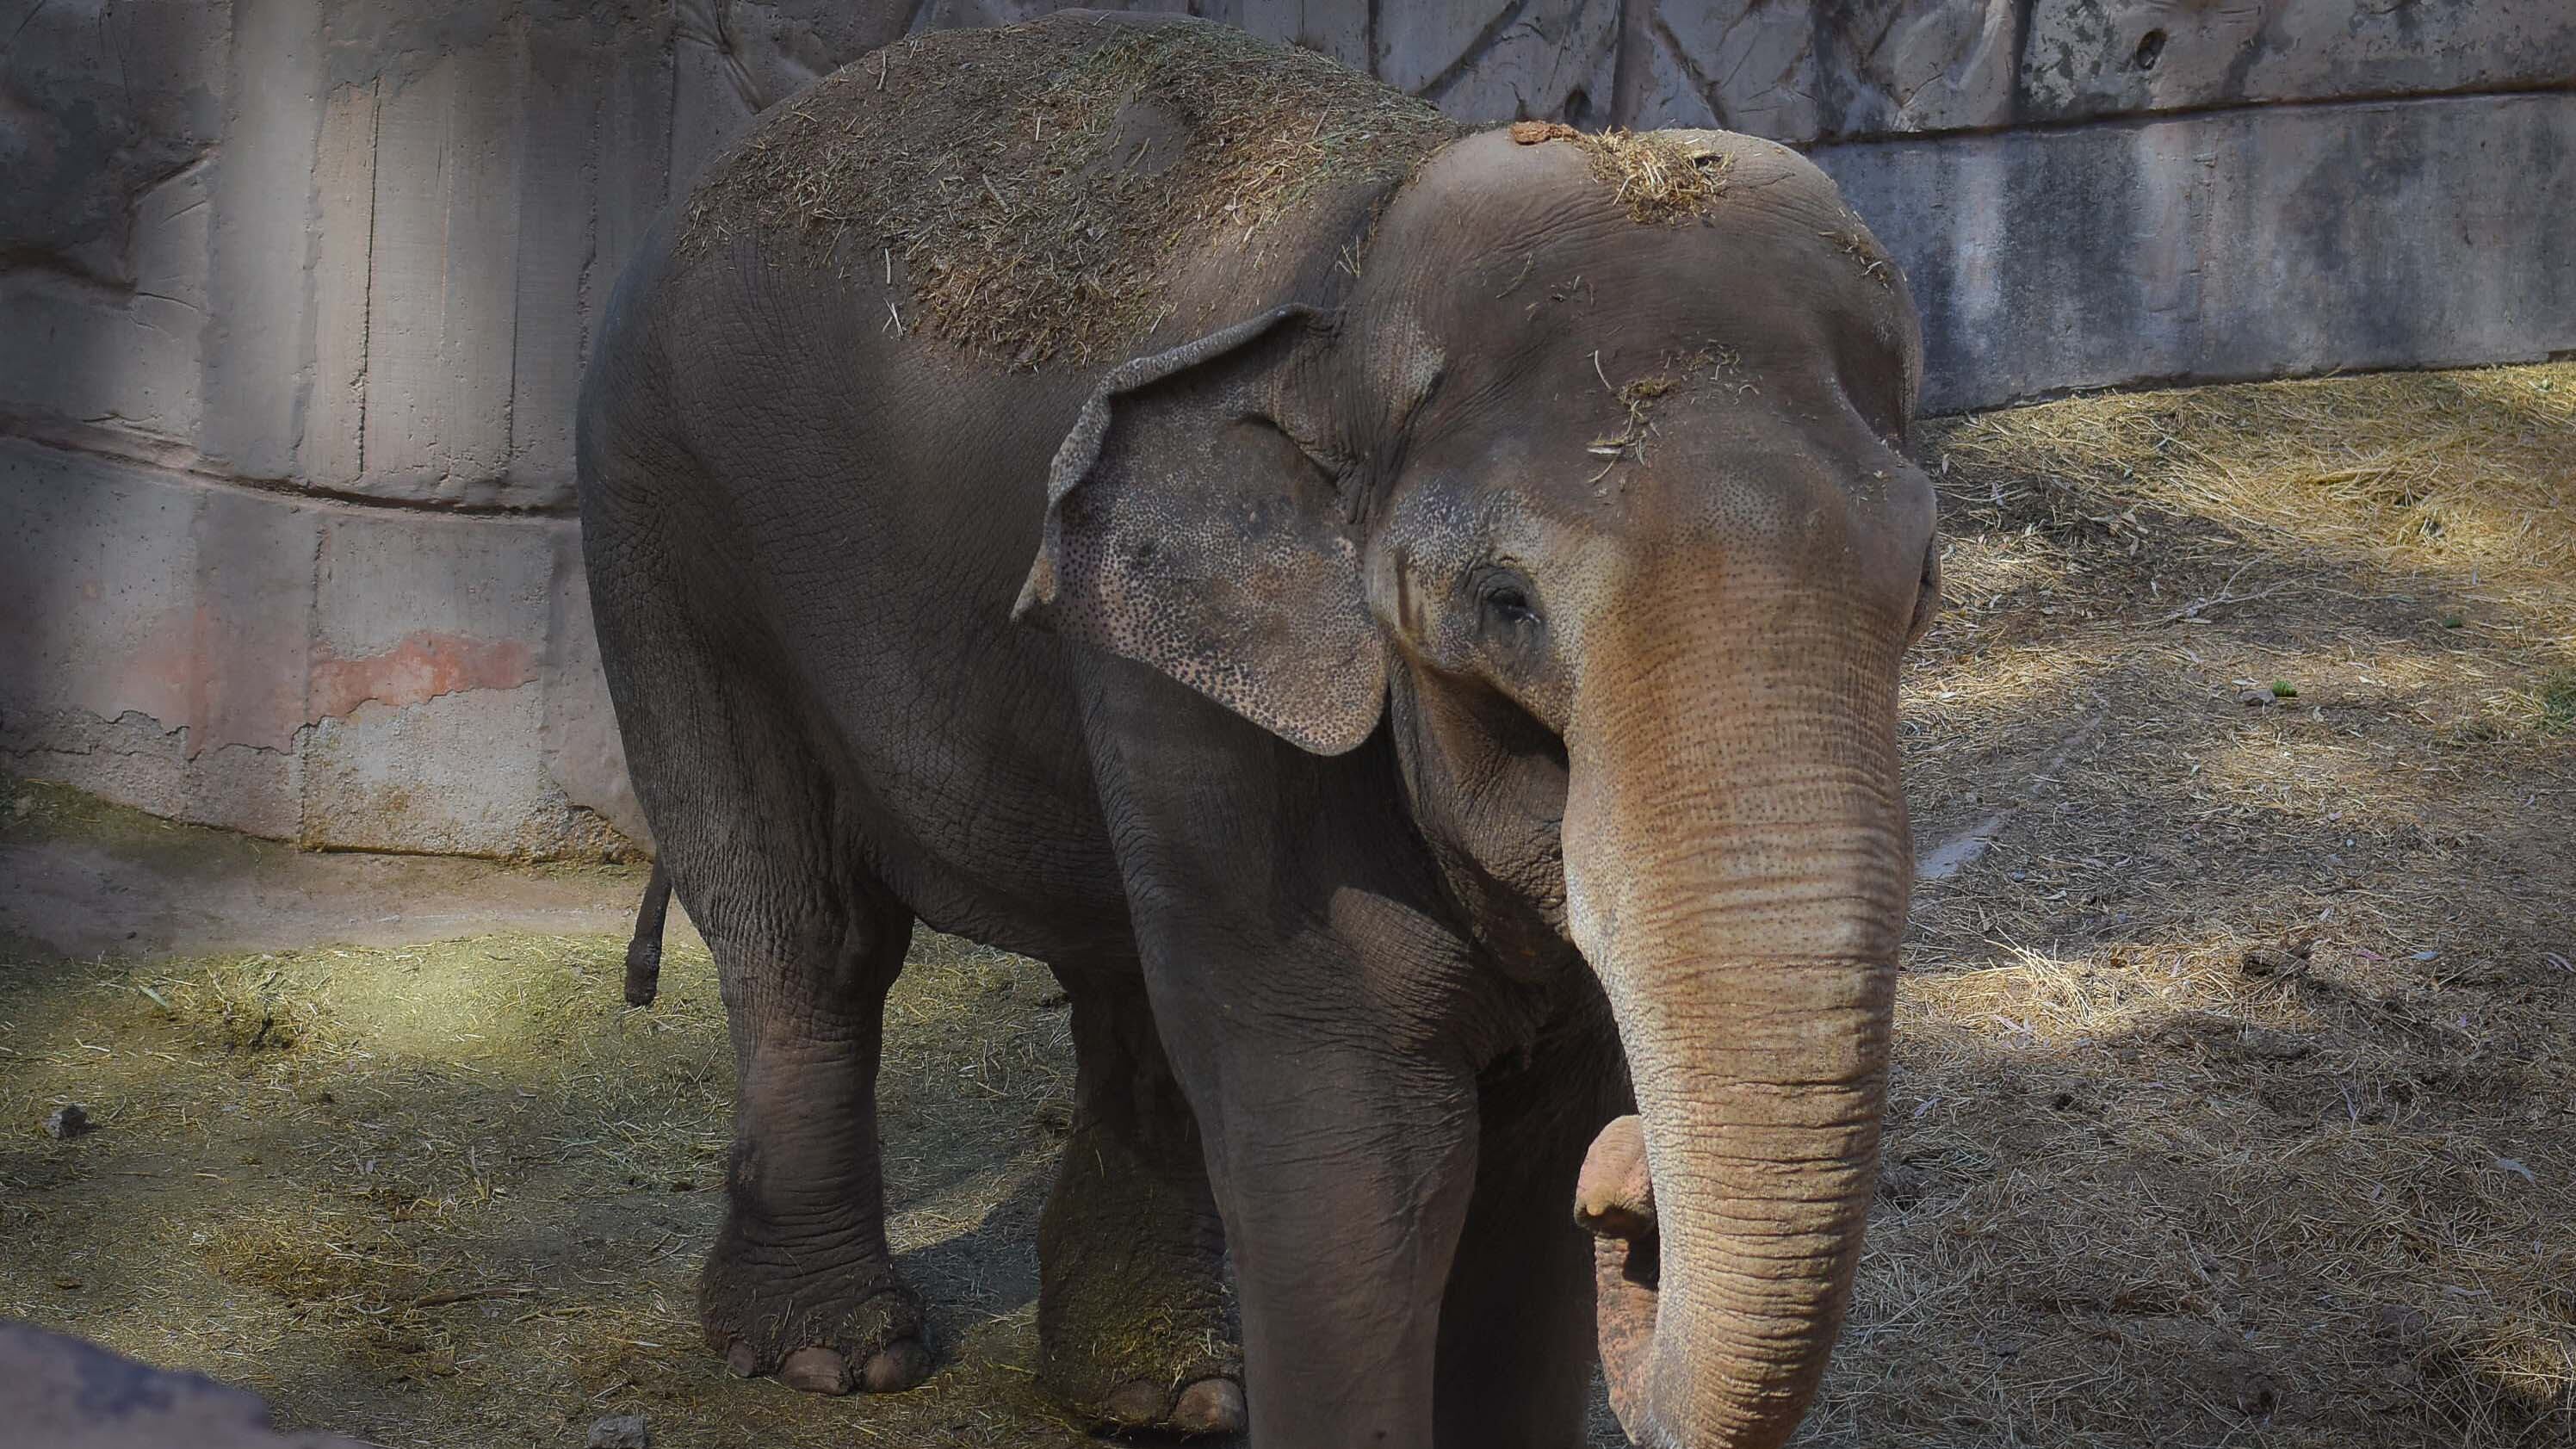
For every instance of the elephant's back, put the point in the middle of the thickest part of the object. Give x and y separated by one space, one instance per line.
1046 192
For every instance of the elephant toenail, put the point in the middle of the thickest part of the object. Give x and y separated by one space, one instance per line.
897 1367
1210 1406
743 1359
1136 1403
816 1371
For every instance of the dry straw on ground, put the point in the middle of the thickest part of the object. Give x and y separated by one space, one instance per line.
2234 1098
2233 1101
1036 204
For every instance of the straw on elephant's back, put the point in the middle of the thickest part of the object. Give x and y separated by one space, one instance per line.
1031 187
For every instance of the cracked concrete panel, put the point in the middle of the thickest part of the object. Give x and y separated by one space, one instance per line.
1557 60
257 350
458 774
1937 67
125 356
1668 93
99 561
2107 57
1504 60
99 103
2425 233
558 191
440 333
344 209
585 755
2227 245
412 605
138 591
152 637
1338 28
251 628
136 760
1761 59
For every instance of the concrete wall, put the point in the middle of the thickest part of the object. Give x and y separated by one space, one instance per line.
294 296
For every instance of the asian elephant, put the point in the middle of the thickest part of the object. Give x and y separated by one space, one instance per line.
1404 622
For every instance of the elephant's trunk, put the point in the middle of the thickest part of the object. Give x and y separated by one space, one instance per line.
1737 863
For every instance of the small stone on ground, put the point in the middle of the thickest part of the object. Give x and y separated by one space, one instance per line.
621 1431
67 1122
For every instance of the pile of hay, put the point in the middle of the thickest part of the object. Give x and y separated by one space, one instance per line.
2234 1097
2411 472
1660 177
1035 185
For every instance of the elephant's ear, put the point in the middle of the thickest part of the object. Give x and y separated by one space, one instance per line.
1192 526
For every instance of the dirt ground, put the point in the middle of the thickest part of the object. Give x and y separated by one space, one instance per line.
2233 1104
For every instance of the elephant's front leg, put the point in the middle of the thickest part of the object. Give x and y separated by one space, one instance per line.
1134 1324
1342 1162
1516 1329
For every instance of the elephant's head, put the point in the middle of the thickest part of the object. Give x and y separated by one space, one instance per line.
1607 519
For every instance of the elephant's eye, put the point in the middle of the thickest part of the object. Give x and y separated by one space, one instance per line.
1507 604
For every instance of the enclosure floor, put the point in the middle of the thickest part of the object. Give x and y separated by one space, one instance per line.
2233 1101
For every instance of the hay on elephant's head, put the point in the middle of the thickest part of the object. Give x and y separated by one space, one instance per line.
1658 176
1034 185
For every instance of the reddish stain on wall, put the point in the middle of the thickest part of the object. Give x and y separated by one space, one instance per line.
235 685
227 680
422 667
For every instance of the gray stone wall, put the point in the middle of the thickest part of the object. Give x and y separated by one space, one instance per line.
295 294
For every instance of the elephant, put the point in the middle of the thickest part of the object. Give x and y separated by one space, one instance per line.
1403 620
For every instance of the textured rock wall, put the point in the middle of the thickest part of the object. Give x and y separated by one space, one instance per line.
295 295
67 1393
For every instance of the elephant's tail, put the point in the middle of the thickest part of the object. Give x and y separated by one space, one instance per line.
644 953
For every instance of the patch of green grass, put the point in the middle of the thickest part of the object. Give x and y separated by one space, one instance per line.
2558 703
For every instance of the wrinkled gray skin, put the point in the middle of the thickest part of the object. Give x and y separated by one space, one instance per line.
1389 776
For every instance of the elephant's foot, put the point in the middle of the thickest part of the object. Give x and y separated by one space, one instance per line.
1208 1400
1135 1326
1169 1369
822 1329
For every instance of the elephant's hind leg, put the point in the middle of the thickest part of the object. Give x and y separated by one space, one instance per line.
1134 1324
807 942
736 772
801 1282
